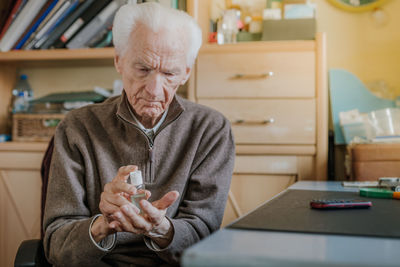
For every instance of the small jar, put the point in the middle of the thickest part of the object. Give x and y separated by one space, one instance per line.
255 25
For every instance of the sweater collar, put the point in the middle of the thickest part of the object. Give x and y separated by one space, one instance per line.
173 112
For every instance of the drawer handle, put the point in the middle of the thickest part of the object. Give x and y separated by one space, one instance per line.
241 76
247 122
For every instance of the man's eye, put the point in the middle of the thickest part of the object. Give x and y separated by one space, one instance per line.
169 74
144 70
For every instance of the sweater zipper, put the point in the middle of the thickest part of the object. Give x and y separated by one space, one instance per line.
150 142
151 160
149 153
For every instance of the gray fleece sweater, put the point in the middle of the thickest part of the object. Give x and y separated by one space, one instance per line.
192 153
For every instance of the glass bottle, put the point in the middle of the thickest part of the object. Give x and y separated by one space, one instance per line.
22 94
136 179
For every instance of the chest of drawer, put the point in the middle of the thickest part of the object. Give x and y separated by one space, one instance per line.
269 121
255 75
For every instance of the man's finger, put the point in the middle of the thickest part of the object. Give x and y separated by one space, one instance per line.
115 199
148 194
106 207
124 171
137 221
119 187
152 214
167 200
116 226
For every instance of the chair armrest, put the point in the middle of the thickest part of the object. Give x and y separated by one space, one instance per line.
30 253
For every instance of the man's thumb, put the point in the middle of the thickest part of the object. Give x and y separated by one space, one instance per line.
167 200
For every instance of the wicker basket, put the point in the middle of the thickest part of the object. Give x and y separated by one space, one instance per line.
35 127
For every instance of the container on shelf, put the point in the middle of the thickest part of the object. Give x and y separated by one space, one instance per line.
34 127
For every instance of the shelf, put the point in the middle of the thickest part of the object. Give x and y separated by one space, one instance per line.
59 57
24 146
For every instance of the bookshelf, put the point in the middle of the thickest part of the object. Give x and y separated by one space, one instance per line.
34 58
11 61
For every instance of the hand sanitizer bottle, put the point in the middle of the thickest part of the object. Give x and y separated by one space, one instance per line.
137 180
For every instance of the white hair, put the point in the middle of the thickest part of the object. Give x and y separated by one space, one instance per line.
156 17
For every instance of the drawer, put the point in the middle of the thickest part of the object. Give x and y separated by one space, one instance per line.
247 75
21 160
266 164
293 120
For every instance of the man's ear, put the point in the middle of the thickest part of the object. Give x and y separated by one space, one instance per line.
187 75
117 62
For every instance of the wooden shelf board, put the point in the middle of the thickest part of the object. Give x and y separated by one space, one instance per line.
59 57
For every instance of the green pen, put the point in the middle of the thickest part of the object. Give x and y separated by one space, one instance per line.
379 193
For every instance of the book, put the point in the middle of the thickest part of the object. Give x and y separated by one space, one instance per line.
11 16
167 3
46 27
60 29
5 11
105 41
102 39
44 22
42 15
386 139
59 3
359 184
27 14
65 14
182 5
33 22
79 23
103 20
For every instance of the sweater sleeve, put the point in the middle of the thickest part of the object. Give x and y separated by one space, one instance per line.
67 218
202 208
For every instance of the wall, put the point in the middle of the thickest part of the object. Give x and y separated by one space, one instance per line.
356 43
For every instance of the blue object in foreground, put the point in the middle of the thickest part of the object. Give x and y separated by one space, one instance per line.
5 138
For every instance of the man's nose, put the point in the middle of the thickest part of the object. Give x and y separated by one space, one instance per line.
154 85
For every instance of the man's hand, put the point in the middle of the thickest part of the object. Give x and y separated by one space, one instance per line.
120 215
152 221
116 194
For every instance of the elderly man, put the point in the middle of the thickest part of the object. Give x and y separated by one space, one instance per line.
184 150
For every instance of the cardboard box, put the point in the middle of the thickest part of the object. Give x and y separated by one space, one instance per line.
289 29
372 161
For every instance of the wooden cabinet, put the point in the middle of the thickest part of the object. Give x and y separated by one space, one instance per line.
275 96
20 180
20 194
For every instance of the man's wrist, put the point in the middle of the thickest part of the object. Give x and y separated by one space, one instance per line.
163 234
100 229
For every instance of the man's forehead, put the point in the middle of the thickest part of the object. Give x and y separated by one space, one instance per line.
143 35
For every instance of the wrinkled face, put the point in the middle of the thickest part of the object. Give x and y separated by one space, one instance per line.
152 68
